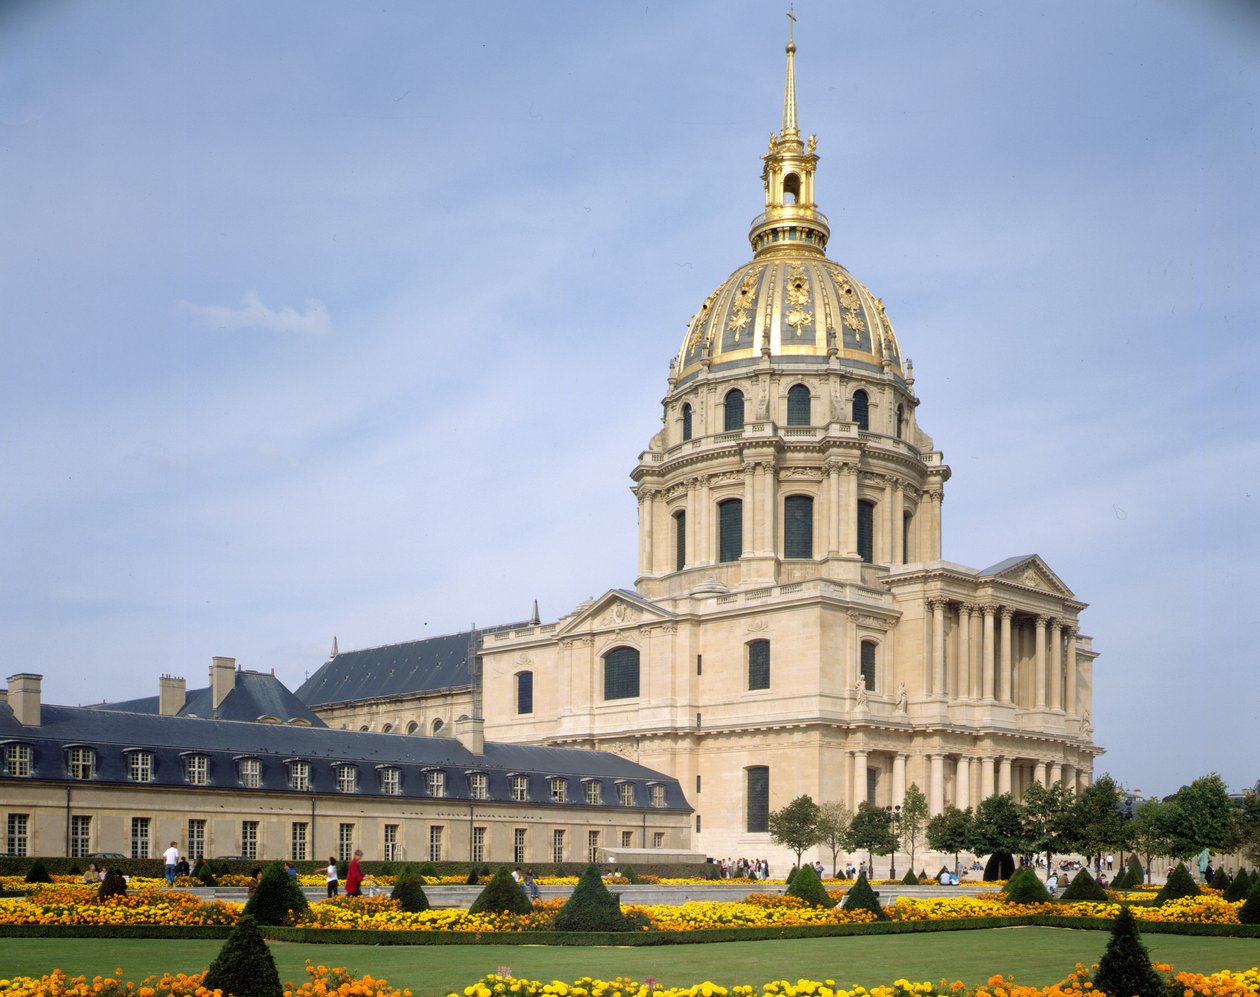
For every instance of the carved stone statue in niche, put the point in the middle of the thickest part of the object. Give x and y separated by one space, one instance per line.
902 698
859 689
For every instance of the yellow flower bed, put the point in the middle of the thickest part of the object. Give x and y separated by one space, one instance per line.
1201 910
323 982
78 905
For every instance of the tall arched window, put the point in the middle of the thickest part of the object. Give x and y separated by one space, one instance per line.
524 692
759 664
791 189
798 406
757 799
861 409
901 419
798 526
621 673
686 421
868 664
733 410
680 540
730 530
866 530
905 538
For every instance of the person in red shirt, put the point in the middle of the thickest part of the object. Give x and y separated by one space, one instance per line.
354 875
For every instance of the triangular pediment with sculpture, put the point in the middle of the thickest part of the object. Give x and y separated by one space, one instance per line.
615 609
1029 570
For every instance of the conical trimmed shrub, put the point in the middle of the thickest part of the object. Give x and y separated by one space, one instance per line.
205 874
1121 882
1180 884
409 892
911 878
1249 912
1220 880
1125 969
591 907
502 893
472 879
862 897
244 966
1137 871
113 885
1085 887
1001 865
808 887
1239 888
38 873
277 899
1025 888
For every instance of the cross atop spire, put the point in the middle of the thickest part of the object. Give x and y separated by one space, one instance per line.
789 87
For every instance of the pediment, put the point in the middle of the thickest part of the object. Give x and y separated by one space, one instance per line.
615 609
1030 571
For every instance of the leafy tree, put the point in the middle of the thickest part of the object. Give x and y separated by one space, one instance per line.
950 831
1202 817
244 966
591 907
503 893
1152 830
912 819
796 825
1047 819
1125 968
277 899
997 827
808 887
869 832
833 825
1249 826
1098 822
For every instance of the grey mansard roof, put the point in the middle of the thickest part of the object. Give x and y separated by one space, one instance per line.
254 695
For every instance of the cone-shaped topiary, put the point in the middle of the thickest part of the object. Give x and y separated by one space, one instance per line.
942 869
592 907
113 885
1239 888
37 873
1123 881
1125 969
409 892
472 879
277 899
1220 879
205 874
1137 871
808 887
862 897
244 967
1085 887
1001 865
911 878
790 876
1025 888
428 870
1249 912
502 893
1180 884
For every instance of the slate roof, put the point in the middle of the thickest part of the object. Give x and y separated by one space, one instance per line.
413 667
254 695
113 734
1005 565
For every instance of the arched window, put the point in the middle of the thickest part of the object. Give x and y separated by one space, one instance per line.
759 664
791 189
798 526
686 421
861 409
412 727
524 692
798 406
866 530
730 530
868 664
733 411
905 538
757 799
901 418
437 726
387 728
680 540
621 673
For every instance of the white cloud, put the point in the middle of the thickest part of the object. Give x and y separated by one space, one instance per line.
313 320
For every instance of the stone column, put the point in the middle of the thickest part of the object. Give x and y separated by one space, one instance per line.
1004 664
962 783
1070 634
769 509
936 783
938 647
693 526
1039 662
1056 773
859 779
1039 773
899 779
886 507
1056 665
987 650
833 507
1069 777
1004 775
848 508
986 777
704 537
748 537
964 689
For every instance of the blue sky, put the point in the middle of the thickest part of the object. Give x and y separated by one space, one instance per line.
325 320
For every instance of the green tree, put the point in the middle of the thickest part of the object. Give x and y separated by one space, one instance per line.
912 819
796 825
1249 826
1151 830
998 827
1098 822
1125 968
833 825
869 832
1203 816
1047 819
950 832
244 966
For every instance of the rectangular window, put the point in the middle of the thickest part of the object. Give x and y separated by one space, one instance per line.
697 823
249 839
140 837
140 766
518 845
627 839
557 846
872 784
391 850
759 664
798 526
347 779
680 541
592 846
391 781
621 673
730 530
196 838
757 802
524 692
345 842
298 836
16 838
697 784
435 844
657 795
520 788
250 770
17 760
436 781
866 530
477 786
868 665
625 792
699 664
300 776
197 770
658 839
479 844
559 791
82 763
80 836
594 793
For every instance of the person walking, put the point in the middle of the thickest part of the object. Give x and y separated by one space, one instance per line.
170 858
354 875
331 877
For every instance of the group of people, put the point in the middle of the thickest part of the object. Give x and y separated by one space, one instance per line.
526 882
174 864
743 868
354 875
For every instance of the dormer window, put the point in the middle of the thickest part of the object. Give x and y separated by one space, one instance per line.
140 766
435 782
520 788
82 762
559 790
391 781
625 793
17 760
594 793
478 786
249 772
657 794
347 779
300 775
197 770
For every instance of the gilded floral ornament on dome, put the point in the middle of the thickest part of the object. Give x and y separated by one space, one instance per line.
738 321
799 317
854 322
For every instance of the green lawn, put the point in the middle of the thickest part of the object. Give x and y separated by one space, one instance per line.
1034 955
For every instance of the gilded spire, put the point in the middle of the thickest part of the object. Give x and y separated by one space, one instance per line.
789 86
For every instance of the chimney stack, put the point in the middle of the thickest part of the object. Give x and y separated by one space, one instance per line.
222 680
24 698
471 733
172 693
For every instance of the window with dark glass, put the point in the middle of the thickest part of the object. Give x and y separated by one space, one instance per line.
905 538
524 692
866 530
733 410
759 664
680 540
730 530
798 406
868 664
861 410
798 526
621 673
686 422
901 418
757 812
